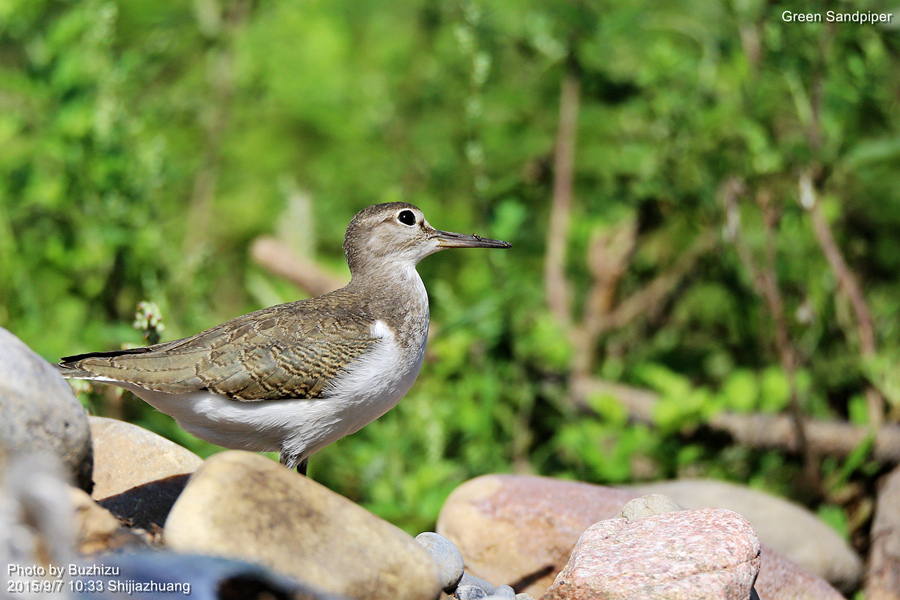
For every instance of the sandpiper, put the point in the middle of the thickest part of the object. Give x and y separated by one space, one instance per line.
296 377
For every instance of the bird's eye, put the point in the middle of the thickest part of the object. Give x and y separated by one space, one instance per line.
407 217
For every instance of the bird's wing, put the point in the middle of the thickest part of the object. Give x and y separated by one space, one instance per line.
286 351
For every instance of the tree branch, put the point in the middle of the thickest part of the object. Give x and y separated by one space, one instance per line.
848 284
607 259
765 282
556 285
273 256
759 431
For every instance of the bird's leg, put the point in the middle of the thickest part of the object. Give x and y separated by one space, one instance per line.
290 461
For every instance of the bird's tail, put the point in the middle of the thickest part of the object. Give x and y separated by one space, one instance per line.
72 371
70 366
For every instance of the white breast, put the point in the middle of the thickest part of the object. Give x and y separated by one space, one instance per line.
377 380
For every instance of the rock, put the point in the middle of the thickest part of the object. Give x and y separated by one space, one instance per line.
471 580
195 576
43 518
884 556
35 512
242 505
138 475
96 529
785 526
521 530
782 579
39 412
504 591
699 554
651 504
446 557
469 592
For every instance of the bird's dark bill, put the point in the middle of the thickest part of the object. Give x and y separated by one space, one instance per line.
447 239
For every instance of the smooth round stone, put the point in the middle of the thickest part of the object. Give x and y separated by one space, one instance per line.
485 586
244 506
518 528
503 592
138 475
469 592
446 556
524 596
645 506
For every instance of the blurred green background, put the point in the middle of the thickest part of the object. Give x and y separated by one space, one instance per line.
145 145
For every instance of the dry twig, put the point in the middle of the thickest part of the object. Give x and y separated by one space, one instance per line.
765 283
556 286
848 285
273 256
759 431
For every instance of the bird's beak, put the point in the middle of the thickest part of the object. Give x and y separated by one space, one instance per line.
447 239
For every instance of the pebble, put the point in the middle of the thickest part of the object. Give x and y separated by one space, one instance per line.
446 556
645 506
469 592
505 591
485 586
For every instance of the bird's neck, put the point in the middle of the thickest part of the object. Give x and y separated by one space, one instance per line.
400 297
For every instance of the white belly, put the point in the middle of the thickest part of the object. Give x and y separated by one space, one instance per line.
376 382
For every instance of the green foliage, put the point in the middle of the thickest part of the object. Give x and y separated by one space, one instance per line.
144 145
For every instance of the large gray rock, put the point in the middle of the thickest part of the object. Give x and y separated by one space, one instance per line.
39 412
520 530
784 526
242 505
138 475
692 555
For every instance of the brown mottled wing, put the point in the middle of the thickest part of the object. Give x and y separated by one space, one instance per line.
286 351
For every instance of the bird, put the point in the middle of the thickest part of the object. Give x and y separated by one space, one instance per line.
295 377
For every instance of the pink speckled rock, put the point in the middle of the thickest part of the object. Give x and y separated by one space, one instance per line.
782 525
781 579
520 530
700 554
